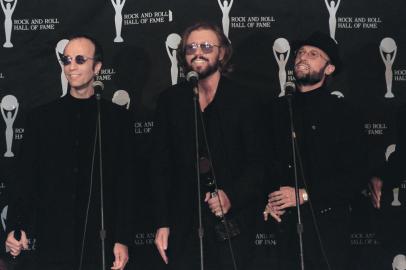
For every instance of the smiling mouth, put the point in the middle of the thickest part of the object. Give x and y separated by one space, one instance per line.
302 66
199 60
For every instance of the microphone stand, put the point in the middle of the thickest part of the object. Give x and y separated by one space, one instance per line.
299 227
102 227
196 107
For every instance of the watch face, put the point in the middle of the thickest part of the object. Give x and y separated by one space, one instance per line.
305 196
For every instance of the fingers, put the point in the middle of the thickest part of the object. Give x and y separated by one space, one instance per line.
120 256
275 214
220 204
283 198
161 242
161 250
276 217
207 198
24 240
118 264
376 200
375 192
14 246
214 205
266 214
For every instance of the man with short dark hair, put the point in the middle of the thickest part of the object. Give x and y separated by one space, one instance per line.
230 119
56 198
329 140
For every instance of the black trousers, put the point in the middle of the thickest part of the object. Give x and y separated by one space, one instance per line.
217 254
335 241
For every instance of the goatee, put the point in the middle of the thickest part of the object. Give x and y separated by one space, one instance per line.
310 78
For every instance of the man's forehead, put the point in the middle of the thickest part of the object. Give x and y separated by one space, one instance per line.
203 34
310 47
80 44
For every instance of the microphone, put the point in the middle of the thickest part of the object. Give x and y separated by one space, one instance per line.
290 88
193 77
98 88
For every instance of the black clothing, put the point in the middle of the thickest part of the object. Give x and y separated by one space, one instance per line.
392 222
52 192
330 143
235 144
395 172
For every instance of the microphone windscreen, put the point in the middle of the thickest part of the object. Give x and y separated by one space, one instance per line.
290 88
192 76
98 84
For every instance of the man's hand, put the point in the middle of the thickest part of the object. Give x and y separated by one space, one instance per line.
214 203
15 246
120 256
276 214
284 198
161 242
375 191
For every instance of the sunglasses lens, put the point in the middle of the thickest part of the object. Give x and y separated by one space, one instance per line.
206 47
190 48
65 60
80 59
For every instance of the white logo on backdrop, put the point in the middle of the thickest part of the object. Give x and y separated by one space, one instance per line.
281 51
395 201
122 98
171 44
332 8
338 94
399 262
60 47
389 151
8 9
3 217
118 18
225 7
9 109
388 50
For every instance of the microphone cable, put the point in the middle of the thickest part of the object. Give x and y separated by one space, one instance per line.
223 216
316 226
82 250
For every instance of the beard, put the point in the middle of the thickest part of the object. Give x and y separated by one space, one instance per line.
310 78
207 71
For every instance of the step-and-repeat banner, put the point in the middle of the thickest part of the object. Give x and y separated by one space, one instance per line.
140 38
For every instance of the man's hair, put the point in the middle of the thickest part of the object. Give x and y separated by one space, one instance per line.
98 50
225 66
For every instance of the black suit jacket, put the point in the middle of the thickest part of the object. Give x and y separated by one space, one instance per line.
331 141
50 195
237 156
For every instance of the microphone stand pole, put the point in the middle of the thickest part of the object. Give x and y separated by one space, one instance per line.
102 227
294 149
196 106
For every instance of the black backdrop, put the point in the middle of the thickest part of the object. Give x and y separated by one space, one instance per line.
369 33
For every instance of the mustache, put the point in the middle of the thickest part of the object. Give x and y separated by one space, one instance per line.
199 58
302 63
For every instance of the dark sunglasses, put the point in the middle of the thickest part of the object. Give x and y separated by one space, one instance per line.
79 59
206 47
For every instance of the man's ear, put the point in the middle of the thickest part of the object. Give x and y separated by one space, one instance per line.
97 68
221 53
330 69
